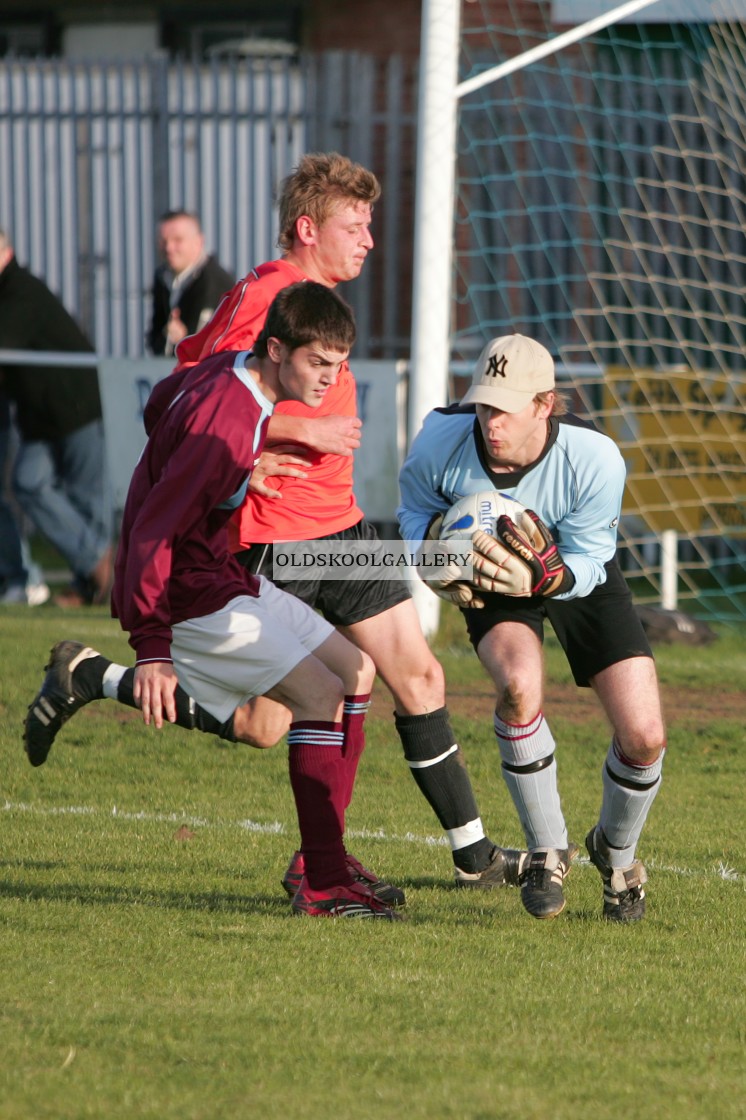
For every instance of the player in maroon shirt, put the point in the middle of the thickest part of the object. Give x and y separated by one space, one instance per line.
325 210
196 617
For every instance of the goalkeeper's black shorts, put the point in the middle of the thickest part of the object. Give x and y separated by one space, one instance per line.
341 601
595 631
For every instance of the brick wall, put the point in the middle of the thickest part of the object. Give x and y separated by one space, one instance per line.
374 26
393 26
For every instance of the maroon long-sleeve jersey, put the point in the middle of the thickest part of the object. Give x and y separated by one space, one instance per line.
206 427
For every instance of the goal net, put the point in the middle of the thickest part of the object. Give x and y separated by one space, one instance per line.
601 207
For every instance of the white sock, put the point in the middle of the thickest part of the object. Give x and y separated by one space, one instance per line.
629 792
112 676
530 773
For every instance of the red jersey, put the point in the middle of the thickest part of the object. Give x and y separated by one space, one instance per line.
310 507
206 427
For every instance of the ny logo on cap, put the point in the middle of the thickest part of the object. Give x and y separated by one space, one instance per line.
496 366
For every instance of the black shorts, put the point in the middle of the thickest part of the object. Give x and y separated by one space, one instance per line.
595 631
341 602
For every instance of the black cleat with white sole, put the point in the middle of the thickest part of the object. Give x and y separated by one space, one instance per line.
57 700
502 870
541 879
624 894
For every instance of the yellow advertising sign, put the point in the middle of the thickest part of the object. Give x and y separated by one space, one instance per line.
683 436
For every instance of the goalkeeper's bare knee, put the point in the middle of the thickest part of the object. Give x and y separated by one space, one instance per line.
643 748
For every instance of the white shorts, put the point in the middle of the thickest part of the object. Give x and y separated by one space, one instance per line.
245 649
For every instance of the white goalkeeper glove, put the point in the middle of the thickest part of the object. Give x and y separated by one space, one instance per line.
521 560
449 584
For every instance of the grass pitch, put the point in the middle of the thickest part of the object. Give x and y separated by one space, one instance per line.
150 966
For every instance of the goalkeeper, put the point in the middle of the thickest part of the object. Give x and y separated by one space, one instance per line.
512 432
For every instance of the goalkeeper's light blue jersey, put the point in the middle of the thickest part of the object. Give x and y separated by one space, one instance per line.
575 486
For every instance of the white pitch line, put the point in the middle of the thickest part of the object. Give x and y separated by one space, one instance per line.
720 870
271 828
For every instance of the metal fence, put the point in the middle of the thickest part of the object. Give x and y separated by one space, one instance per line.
91 153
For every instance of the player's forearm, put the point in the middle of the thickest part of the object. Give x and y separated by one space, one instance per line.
143 612
148 627
419 501
291 429
587 572
149 648
413 523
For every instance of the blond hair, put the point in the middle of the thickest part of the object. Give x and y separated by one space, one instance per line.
319 185
560 406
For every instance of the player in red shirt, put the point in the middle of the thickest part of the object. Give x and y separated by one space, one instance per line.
201 621
325 211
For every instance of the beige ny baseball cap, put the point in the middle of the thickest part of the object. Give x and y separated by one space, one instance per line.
509 373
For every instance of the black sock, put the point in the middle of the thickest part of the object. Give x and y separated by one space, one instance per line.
445 784
474 857
189 713
89 677
203 721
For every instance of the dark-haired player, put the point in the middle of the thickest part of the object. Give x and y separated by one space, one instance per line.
199 621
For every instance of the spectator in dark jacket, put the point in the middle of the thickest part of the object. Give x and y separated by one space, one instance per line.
188 284
59 476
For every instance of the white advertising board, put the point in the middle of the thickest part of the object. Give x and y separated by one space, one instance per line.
126 385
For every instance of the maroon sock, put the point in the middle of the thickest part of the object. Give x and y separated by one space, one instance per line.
353 725
317 778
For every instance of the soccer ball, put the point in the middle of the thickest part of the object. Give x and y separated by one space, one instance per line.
478 511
